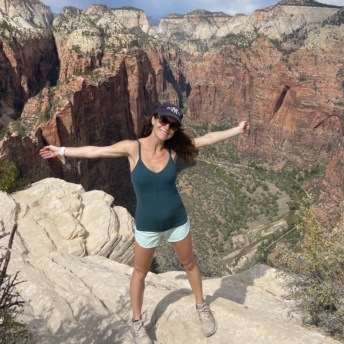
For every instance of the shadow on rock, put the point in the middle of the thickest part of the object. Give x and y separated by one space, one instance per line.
234 287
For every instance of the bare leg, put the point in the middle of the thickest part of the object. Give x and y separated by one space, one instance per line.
186 257
143 260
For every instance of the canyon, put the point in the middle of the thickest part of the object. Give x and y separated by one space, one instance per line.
89 77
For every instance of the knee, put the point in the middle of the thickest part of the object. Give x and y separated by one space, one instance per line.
189 264
139 274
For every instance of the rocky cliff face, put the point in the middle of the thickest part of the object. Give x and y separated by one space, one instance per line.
26 14
102 120
90 39
281 67
29 62
27 53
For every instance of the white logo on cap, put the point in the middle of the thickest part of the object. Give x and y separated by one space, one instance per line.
174 110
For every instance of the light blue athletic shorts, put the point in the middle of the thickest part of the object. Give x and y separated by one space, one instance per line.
153 239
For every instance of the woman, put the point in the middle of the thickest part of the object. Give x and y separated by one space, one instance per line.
160 211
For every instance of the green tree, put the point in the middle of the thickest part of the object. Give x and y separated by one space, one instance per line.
9 176
316 267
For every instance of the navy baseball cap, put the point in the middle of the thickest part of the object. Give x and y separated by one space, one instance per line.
170 110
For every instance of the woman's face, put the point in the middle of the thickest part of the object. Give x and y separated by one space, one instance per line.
165 126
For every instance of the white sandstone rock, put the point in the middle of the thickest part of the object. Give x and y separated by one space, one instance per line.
76 295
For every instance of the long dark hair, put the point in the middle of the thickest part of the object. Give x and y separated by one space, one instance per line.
180 142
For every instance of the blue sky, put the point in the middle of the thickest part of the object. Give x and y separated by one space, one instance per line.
161 8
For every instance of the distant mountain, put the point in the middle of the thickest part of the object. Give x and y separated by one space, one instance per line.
28 13
154 21
304 3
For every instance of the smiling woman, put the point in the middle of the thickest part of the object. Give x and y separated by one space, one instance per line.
160 212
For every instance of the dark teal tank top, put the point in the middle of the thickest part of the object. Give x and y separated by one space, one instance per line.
159 206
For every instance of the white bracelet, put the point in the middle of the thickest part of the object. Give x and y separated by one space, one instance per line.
62 151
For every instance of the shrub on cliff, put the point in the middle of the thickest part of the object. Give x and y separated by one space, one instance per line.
316 268
9 176
11 330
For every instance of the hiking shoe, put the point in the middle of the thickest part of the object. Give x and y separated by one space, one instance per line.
138 332
208 322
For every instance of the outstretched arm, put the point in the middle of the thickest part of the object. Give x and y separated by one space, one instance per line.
119 149
218 136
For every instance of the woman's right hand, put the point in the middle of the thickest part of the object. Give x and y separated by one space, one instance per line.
49 152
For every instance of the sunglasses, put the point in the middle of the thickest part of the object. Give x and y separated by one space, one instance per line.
164 121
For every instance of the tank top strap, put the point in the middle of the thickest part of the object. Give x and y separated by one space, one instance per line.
139 149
